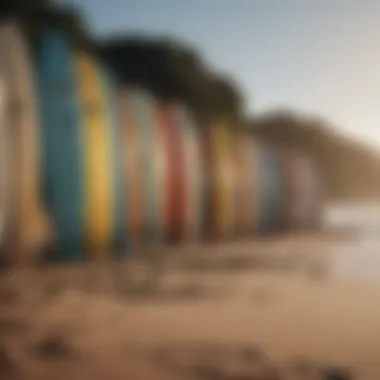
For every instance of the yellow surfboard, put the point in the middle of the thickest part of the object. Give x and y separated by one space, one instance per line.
224 180
96 158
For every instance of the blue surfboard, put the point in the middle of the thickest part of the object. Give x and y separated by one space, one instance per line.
61 142
270 188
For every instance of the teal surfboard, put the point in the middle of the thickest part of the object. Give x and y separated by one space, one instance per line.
61 142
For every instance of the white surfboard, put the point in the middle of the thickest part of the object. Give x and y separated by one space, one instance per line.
29 227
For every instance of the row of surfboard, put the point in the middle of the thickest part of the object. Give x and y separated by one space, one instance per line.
98 169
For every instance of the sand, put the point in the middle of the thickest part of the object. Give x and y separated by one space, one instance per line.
270 309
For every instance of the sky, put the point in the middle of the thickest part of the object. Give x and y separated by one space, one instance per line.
314 56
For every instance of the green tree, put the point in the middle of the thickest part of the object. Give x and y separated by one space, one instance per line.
173 71
35 15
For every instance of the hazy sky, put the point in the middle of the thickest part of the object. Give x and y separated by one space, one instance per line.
319 56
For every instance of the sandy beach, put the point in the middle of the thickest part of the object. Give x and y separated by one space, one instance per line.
270 309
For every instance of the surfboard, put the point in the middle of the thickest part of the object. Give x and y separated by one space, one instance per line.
29 223
255 194
97 158
120 239
133 189
223 180
271 191
315 198
299 195
152 166
193 176
305 192
4 167
292 184
61 143
207 227
160 165
175 190
245 201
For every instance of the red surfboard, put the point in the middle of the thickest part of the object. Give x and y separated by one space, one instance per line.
175 195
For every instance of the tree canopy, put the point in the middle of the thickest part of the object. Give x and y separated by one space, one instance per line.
173 71
34 15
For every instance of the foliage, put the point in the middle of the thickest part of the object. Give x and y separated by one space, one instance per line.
35 15
173 71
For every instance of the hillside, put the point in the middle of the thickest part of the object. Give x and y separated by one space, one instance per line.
349 169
